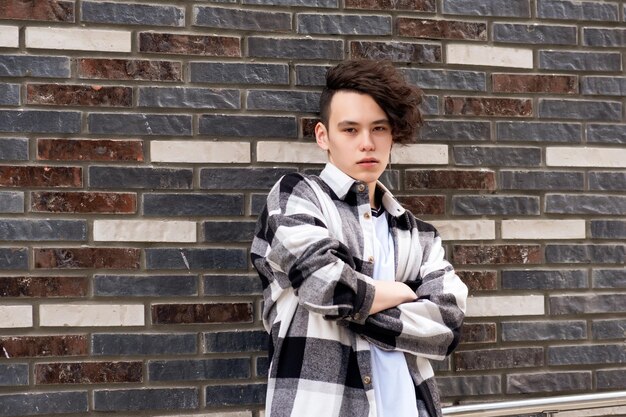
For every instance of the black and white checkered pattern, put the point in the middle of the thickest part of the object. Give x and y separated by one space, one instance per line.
313 249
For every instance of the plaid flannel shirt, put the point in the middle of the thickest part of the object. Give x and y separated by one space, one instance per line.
313 250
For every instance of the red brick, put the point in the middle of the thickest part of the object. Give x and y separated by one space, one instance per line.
51 10
40 176
414 5
496 254
83 202
484 106
202 313
526 83
43 286
450 179
73 258
89 150
36 346
498 358
479 280
172 43
395 51
441 29
79 95
478 333
130 69
424 204
88 372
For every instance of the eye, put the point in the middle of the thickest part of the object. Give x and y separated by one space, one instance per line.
349 130
381 128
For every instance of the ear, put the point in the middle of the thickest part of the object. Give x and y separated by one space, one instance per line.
321 136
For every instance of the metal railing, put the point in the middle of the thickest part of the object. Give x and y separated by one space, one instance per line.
548 406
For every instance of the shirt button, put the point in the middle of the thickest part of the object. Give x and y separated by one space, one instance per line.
361 188
367 380
357 316
371 259
367 215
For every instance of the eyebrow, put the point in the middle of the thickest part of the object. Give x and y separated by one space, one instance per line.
352 123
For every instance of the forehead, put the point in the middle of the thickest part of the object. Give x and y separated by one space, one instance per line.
355 107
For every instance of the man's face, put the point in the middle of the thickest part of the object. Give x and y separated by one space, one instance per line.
358 137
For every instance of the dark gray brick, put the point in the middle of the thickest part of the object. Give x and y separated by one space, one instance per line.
451 130
604 37
499 358
248 126
535 34
193 204
324 24
606 133
228 231
469 385
33 404
9 94
262 366
442 366
195 98
42 230
304 3
397 51
587 355
611 379
575 10
430 105
225 395
132 14
13 258
13 374
140 286
139 177
257 203
311 75
446 79
587 304
585 204
232 285
11 202
239 341
608 86
612 254
39 121
548 382
611 181
238 73
292 101
391 179
241 178
144 344
609 329
13 149
581 110
502 205
609 278
541 180
513 8
580 61
544 330
529 279
196 258
139 124
34 66
539 132
608 229
146 399
295 48
223 18
199 370
497 156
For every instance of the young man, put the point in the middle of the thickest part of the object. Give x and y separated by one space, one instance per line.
358 295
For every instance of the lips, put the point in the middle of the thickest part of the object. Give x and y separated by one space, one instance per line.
368 161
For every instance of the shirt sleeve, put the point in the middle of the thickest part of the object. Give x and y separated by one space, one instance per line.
430 326
302 254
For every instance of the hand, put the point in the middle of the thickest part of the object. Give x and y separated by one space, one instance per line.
390 294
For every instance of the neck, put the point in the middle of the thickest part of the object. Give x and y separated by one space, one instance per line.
372 193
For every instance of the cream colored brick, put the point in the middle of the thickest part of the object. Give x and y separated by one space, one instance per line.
78 39
596 412
144 231
466 229
290 152
495 56
419 154
199 151
16 316
215 414
516 305
91 315
562 156
543 229
9 36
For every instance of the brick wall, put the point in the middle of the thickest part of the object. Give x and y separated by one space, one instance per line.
138 139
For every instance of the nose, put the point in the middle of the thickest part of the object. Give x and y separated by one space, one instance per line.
367 141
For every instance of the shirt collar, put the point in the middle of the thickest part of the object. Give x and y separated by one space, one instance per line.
340 183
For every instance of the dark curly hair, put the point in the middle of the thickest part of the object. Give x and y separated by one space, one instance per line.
386 85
